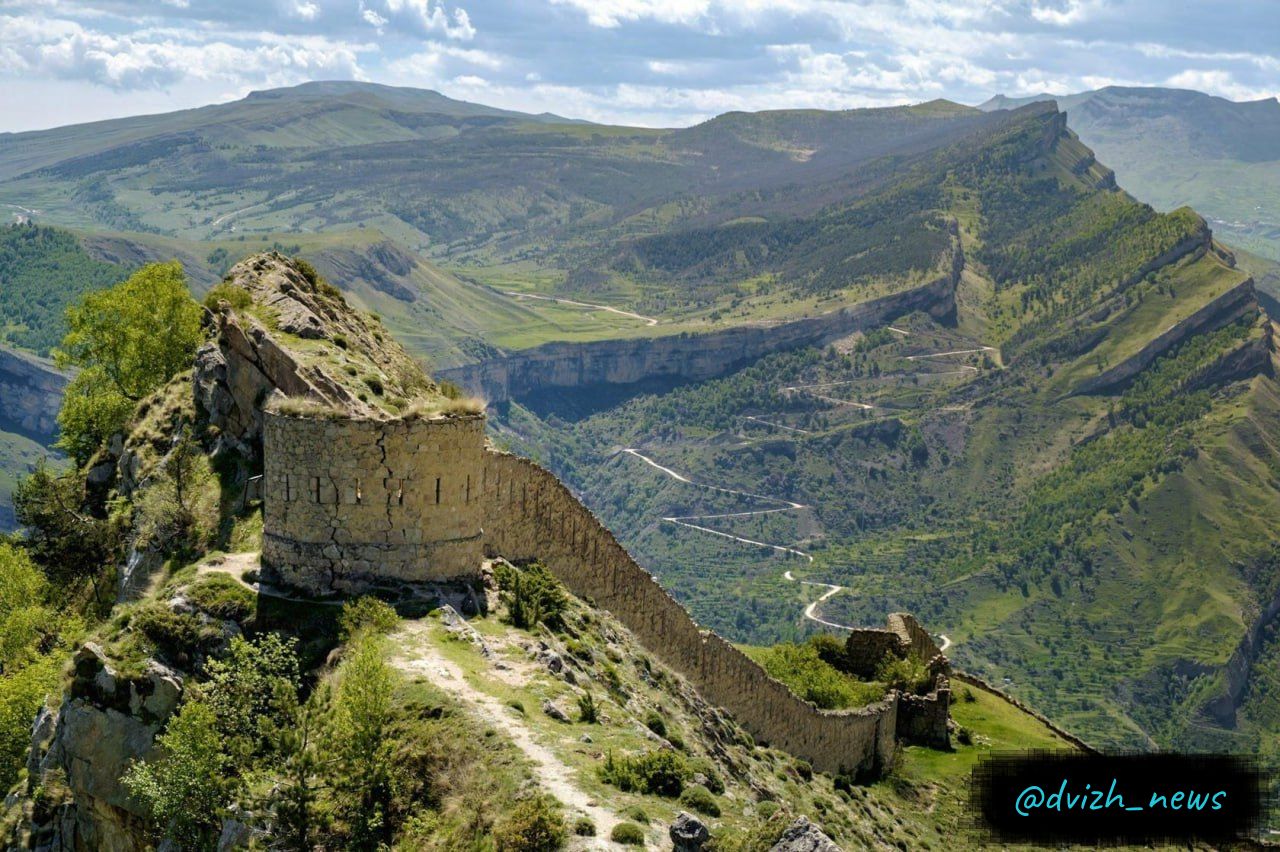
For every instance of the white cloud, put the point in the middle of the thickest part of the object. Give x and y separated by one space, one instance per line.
612 13
1065 14
372 18
307 11
1219 82
438 61
67 50
424 16
658 66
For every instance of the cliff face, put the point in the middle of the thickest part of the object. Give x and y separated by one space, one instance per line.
31 392
1228 307
687 356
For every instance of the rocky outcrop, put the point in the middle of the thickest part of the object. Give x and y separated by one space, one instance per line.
106 722
804 836
247 359
686 356
384 266
31 390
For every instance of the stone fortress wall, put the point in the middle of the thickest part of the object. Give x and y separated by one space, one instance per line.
353 504
531 515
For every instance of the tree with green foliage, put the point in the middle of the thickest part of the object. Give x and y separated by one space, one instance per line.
361 744
300 813
29 670
127 341
186 787
67 542
252 691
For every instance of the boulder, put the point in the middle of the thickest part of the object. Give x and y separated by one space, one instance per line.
804 836
554 711
688 833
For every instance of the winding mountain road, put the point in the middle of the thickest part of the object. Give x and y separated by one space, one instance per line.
811 610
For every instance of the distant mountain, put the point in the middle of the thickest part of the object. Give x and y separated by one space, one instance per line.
448 177
310 115
1171 147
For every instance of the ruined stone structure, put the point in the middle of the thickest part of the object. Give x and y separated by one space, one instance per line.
351 504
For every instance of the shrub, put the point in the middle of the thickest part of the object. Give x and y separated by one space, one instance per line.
660 772
804 769
366 613
628 834
588 712
175 635
375 385
656 723
225 291
318 281
967 695
699 798
534 825
909 675
584 827
963 736
532 595
638 814
702 766
580 650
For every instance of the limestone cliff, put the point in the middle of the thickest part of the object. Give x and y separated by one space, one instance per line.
30 393
688 357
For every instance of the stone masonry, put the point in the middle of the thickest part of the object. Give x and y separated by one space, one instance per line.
355 503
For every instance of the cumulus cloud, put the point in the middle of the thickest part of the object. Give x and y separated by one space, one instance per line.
426 17
437 62
1065 14
64 49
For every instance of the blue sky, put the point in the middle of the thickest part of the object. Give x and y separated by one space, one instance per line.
650 62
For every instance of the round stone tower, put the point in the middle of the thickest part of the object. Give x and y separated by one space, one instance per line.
353 503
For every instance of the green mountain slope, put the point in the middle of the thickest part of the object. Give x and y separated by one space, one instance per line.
1172 147
1075 480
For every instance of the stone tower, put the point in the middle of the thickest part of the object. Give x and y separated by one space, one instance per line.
352 503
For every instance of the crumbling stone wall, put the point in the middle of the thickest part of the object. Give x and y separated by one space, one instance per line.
529 514
924 719
921 718
915 639
354 503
